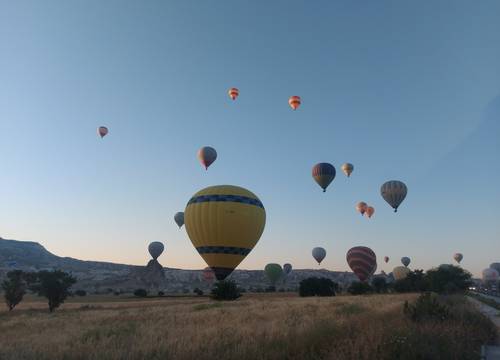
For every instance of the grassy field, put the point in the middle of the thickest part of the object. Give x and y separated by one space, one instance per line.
265 326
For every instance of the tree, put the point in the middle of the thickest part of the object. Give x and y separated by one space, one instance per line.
379 284
14 288
448 279
225 290
315 286
140 293
359 288
415 281
198 291
54 285
80 293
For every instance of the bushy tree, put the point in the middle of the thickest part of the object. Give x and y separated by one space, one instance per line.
315 286
198 291
54 285
14 288
448 279
140 293
161 293
225 290
359 288
80 293
416 281
379 284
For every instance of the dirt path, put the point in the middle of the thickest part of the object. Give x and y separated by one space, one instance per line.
489 352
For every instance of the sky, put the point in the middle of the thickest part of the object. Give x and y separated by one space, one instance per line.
403 90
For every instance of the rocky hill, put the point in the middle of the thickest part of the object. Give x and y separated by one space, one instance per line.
102 277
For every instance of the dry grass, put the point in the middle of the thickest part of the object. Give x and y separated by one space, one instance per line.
267 326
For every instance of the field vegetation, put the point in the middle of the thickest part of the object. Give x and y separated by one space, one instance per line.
263 326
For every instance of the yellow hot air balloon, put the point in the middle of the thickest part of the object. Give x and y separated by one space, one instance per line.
224 223
400 272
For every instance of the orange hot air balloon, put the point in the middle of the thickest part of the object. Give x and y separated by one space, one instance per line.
233 93
361 207
294 102
370 210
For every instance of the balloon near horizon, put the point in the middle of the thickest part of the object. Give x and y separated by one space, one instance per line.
224 222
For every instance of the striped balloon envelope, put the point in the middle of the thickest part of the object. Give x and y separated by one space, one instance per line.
294 102
323 174
224 223
233 93
363 261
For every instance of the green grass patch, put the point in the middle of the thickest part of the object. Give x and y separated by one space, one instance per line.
201 307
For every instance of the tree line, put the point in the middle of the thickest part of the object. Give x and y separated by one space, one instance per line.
53 285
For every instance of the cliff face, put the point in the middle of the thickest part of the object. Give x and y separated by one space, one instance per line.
101 277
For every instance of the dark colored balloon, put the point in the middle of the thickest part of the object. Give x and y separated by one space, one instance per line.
363 262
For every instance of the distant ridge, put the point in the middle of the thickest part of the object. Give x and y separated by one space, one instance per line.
102 277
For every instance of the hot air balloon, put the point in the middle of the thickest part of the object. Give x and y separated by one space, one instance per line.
294 102
361 207
363 261
495 266
458 257
405 261
207 156
208 275
233 93
394 192
400 272
179 219
347 168
224 223
386 259
490 276
155 249
323 174
287 268
370 210
274 272
319 254
102 131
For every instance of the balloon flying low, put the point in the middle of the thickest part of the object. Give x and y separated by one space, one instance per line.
224 223
155 249
207 155
386 259
363 261
400 272
274 272
323 174
287 268
294 102
102 131
458 257
233 93
405 261
318 254
347 168
394 192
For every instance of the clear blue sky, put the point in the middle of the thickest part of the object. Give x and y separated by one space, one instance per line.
403 90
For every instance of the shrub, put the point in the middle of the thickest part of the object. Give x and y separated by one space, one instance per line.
359 288
198 292
225 290
270 289
426 307
14 288
448 279
161 293
80 293
379 285
416 281
315 286
54 285
140 293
